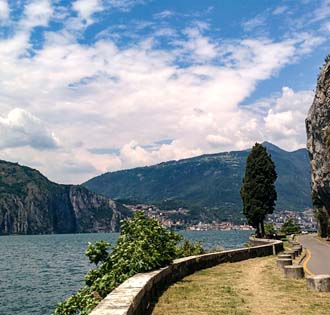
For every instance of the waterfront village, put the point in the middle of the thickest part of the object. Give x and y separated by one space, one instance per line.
305 219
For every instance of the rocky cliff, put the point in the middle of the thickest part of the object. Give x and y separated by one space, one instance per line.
318 145
31 204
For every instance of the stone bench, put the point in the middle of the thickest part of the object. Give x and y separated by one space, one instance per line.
319 283
284 256
297 250
292 253
294 272
282 262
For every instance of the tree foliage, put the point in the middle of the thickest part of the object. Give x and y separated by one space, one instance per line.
143 245
290 227
258 191
270 229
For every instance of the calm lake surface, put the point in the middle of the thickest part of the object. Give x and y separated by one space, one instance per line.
38 271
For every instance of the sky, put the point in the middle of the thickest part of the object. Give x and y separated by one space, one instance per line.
91 86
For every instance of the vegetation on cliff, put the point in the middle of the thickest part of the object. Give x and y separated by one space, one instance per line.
143 245
31 204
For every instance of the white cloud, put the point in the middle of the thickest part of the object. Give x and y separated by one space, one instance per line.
218 140
139 94
21 128
200 46
164 14
125 5
132 155
4 10
12 48
307 42
37 13
254 23
322 11
86 8
285 120
123 99
280 10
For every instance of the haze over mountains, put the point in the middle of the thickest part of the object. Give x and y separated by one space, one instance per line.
210 183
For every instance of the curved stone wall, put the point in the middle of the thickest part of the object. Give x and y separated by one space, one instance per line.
135 296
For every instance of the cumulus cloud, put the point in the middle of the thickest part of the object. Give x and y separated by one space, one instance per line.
86 8
285 120
135 96
104 95
21 128
37 13
132 155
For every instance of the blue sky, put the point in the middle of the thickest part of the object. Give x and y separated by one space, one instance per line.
89 86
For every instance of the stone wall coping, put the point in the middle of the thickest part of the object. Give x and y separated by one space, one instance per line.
134 296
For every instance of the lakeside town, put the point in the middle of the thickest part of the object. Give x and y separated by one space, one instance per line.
305 219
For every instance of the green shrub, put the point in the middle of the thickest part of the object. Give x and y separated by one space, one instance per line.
188 248
290 227
143 245
270 229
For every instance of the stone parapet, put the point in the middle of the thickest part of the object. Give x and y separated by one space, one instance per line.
136 295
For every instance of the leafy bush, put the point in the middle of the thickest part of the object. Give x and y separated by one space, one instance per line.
188 248
143 245
290 227
270 229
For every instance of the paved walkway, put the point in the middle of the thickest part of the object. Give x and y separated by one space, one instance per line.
318 255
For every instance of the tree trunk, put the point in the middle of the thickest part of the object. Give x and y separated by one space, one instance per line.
262 229
258 231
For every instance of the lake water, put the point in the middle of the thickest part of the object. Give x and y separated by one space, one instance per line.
38 271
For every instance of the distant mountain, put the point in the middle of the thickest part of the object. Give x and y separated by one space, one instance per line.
31 204
209 182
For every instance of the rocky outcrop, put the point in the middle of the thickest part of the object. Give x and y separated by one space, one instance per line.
318 145
95 213
31 204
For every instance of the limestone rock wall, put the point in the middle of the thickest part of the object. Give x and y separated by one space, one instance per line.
318 145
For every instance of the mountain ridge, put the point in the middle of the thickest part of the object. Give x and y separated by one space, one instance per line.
209 181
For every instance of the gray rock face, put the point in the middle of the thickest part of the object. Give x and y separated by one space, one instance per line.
31 204
318 145
95 213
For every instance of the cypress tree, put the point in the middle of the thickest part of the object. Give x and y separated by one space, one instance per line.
258 191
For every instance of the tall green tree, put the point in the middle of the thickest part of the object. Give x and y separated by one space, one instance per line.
258 191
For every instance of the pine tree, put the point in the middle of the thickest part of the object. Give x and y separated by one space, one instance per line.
258 191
